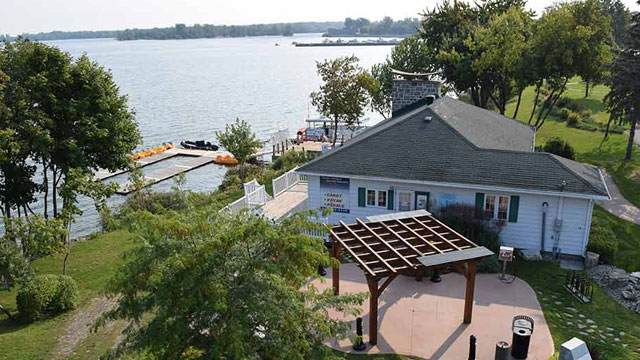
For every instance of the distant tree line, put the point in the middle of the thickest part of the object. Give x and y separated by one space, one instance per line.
197 31
386 26
181 31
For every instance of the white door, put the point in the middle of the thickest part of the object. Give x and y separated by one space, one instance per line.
404 201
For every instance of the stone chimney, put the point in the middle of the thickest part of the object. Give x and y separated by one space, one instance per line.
409 88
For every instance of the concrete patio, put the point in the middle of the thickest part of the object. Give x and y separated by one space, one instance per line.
425 319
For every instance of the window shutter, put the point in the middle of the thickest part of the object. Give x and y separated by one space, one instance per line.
514 204
390 199
479 204
362 194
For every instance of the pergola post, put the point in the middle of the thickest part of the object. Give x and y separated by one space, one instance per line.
469 293
373 310
335 278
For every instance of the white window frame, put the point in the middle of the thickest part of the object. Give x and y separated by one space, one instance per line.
377 202
496 207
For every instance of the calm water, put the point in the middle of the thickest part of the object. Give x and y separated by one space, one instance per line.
188 89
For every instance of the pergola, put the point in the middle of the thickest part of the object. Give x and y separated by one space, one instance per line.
404 243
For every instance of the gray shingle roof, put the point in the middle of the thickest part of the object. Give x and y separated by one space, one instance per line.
411 148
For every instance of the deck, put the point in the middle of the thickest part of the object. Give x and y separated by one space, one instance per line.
291 200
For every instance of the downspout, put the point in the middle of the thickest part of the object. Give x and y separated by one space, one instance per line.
545 206
557 227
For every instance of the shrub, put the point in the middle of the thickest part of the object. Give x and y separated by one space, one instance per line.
560 147
585 114
47 295
573 119
291 159
564 114
602 240
571 104
489 265
462 219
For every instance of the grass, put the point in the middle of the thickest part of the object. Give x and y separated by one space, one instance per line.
628 235
547 280
589 146
91 264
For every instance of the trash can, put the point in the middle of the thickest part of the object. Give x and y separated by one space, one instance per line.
502 350
522 330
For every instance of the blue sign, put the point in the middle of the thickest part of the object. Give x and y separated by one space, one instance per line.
335 193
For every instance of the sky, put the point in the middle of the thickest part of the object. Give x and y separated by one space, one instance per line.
30 16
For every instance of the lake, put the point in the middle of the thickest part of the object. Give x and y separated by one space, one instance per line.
188 89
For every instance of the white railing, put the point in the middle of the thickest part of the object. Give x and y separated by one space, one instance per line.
255 196
287 180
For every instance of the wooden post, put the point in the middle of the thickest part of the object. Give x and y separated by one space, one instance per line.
471 284
373 310
335 278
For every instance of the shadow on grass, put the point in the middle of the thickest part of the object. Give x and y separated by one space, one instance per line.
8 326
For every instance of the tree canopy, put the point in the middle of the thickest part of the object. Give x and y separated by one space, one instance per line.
240 141
221 286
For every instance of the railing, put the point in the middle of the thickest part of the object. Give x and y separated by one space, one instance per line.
255 196
286 181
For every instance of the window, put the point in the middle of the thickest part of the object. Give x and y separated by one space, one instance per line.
376 198
371 198
382 198
491 211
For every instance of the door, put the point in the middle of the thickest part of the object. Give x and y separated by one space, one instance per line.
422 200
404 201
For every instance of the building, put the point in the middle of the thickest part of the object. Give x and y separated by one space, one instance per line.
437 151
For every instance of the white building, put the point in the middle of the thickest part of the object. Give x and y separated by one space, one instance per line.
448 152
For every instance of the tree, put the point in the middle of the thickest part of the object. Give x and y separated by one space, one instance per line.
225 287
594 55
620 18
343 95
14 269
501 52
240 141
409 55
623 99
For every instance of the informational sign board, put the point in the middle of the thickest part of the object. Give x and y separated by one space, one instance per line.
335 193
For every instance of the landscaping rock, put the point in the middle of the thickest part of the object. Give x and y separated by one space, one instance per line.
623 287
530 255
630 295
618 278
591 260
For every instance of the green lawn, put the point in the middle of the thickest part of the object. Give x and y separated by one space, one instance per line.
628 235
91 263
563 313
589 145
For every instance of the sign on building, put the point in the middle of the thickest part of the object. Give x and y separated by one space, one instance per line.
335 193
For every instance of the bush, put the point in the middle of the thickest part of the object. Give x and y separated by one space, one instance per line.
291 159
560 147
573 119
564 114
489 265
571 104
47 295
602 240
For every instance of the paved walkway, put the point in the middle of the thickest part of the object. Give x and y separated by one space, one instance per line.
425 319
618 205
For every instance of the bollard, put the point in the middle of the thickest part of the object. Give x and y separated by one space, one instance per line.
472 347
359 345
502 350
435 276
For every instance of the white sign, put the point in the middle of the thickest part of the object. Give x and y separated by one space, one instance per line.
335 193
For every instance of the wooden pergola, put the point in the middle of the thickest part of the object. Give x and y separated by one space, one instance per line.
404 244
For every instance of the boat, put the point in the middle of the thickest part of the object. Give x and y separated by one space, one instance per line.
322 129
198 145
148 152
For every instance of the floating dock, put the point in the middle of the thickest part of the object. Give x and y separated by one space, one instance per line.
193 160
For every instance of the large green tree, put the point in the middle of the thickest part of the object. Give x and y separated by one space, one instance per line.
209 285
623 99
344 93
241 141
620 18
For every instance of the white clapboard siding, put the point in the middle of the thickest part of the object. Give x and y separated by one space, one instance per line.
524 234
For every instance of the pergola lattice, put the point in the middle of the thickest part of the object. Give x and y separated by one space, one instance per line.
404 243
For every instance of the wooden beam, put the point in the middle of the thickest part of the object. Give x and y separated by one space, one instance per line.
462 238
435 233
390 268
402 239
386 283
469 293
419 236
335 278
352 253
385 243
373 310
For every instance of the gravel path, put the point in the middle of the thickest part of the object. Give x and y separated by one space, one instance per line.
618 205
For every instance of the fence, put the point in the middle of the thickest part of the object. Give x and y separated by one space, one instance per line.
286 181
255 195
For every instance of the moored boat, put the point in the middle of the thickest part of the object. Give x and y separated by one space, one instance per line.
198 145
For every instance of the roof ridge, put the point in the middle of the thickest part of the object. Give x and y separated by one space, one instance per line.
530 127
555 158
375 129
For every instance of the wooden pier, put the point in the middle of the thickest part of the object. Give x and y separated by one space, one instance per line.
193 159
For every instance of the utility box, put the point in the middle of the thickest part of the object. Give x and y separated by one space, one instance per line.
574 349
505 254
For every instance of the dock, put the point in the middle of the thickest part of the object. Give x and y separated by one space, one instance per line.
193 160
